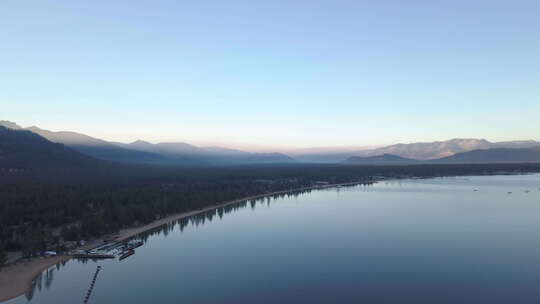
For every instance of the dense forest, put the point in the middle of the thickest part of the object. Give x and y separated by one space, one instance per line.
40 208
3 254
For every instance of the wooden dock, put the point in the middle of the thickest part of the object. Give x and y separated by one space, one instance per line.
89 292
93 256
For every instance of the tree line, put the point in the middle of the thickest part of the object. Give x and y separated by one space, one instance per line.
39 209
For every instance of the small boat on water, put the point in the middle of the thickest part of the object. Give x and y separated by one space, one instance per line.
126 254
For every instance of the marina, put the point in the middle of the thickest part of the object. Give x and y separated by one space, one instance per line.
109 250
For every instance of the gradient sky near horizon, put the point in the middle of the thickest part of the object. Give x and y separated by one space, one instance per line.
256 74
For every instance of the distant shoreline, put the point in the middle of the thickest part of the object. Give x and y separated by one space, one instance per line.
16 279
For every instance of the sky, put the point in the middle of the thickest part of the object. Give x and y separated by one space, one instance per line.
273 74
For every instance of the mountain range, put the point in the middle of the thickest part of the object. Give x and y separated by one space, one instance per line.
441 149
25 149
80 146
494 155
141 152
420 151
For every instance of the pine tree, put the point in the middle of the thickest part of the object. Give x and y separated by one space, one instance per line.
3 255
33 242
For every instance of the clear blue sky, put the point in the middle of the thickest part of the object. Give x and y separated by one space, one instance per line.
273 73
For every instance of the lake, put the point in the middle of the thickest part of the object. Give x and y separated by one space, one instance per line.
444 240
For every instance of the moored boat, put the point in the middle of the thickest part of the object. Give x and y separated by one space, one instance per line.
126 254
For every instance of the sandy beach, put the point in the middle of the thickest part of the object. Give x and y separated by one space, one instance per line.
16 279
128 233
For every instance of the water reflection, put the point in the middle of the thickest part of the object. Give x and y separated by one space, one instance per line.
207 216
415 241
44 279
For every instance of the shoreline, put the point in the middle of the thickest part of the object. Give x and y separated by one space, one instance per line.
16 279
128 233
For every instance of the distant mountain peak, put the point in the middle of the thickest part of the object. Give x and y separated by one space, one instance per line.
10 125
462 139
20 148
140 142
431 150
180 145
164 148
495 155
34 128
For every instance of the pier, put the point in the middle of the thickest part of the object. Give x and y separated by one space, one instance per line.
89 292
92 256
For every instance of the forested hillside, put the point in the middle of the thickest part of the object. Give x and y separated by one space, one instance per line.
87 202
24 149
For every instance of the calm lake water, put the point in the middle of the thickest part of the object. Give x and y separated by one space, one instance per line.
409 241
